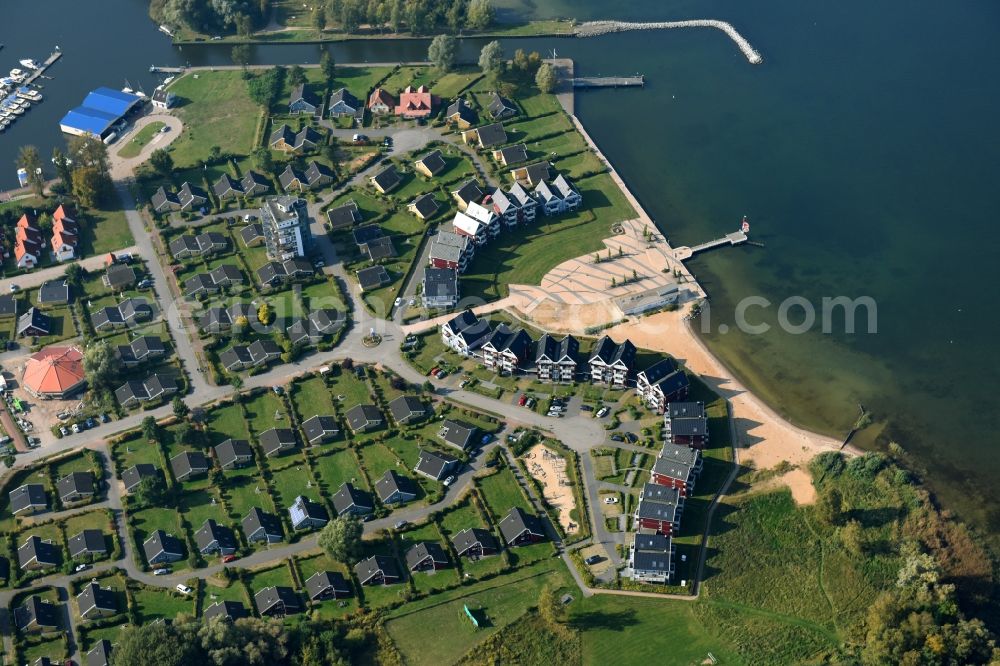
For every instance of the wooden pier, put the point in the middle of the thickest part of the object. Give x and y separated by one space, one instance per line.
735 238
156 69
609 82
45 65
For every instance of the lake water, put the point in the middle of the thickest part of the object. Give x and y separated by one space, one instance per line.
864 151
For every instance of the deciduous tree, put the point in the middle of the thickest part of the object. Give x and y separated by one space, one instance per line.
341 539
491 60
161 162
28 159
545 78
441 52
62 167
99 365
480 14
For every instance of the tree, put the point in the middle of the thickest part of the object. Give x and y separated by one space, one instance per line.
99 365
264 88
162 162
240 55
520 60
545 78
150 429
550 608
88 151
830 506
62 167
441 52
253 641
74 274
319 17
491 60
262 159
179 407
264 314
159 644
185 433
244 25
328 66
296 75
28 159
341 539
150 491
852 535
480 14
455 14
89 187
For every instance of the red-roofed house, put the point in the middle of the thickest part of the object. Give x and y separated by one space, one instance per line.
65 233
381 102
54 372
415 103
27 242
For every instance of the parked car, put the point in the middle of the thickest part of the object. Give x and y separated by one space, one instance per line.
398 302
522 400
442 374
105 418
593 559
400 524
360 138
617 438
602 412
162 571
81 567
450 480
434 371
63 431
631 437
183 589
91 423
228 558
611 500
14 287
462 383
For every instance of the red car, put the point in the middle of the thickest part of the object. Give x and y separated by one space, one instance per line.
228 558
434 371
522 400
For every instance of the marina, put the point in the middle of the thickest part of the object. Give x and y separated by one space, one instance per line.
18 95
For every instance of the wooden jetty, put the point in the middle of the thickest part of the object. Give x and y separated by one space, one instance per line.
735 238
609 81
45 65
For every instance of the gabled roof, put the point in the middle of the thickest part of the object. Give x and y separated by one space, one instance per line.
36 611
259 520
33 320
392 483
344 96
366 570
276 439
279 596
39 551
473 536
492 135
87 542
676 462
94 597
28 496
224 186
536 174
362 416
517 522
514 154
380 248
608 351
100 654
658 502
213 533
301 93
387 178
231 610
186 463
373 277
316 171
433 162
551 349
161 542
380 96
344 216
651 552
348 497
54 291
321 581
500 107
459 109
469 191
424 550
433 464
405 407
366 234
317 427
231 450
457 433
304 509
252 180
425 205
75 483
132 476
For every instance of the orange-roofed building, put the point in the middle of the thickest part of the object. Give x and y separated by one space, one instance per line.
54 373
415 102
27 242
65 233
381 102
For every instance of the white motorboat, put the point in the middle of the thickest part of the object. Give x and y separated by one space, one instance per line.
30 64
16 74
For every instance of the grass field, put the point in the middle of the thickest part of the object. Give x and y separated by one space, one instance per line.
140 139
338 468
378 459
216 111
291 482
263 410
225 423
502 492
153 603
242 491
311 397
499 601
526 254
349 391
270 577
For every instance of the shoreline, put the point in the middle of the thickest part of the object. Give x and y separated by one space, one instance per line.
761 435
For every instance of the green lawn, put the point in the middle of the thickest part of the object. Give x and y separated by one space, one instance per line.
407 449
216 110
311 397
214 593
140 139
271 577
266 411
242 490
198 507
153 603
107 231
378 459
525 255
451 84
500 601
501 492
53 648
348 390
337 468
629 630
291 482
225 423
461 517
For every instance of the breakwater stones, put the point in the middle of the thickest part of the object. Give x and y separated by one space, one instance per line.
597 28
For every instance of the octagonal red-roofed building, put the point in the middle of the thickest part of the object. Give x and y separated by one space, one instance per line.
54 373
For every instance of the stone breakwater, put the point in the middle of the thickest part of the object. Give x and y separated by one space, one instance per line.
595 28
